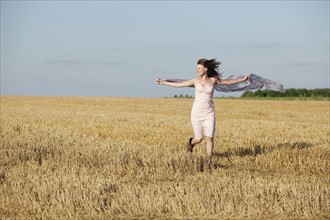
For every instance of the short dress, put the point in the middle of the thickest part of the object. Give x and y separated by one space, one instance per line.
202 113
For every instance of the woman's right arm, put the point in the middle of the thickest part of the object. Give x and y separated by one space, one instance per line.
177 84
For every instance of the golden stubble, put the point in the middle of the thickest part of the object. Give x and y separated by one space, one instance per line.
107 157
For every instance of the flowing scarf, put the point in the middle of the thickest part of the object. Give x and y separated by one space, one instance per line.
254 82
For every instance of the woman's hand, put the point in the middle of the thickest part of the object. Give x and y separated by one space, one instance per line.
160 82
177 83
245 78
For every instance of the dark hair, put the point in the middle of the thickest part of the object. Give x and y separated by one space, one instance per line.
212 67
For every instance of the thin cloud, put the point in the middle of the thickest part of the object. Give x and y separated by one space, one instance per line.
114 63
266 45
309 64
67 62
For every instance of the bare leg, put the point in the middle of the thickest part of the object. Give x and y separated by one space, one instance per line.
191 143
196 141
209 146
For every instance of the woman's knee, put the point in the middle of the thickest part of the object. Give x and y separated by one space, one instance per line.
209 139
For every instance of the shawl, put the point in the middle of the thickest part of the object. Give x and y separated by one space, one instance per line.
254 82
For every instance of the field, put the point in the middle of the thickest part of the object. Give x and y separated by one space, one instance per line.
125 158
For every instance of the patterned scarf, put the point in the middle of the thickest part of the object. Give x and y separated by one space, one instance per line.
254 82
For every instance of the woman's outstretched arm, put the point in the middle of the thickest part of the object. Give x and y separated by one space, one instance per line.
231 81
176 84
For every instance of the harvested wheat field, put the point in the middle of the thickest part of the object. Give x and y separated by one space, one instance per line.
122 158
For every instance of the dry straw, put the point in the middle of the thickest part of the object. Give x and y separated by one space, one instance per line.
103 158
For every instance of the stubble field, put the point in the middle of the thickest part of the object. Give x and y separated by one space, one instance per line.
106 157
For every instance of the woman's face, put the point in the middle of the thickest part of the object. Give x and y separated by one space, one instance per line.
200 70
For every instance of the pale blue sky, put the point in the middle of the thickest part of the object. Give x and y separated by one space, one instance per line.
118 48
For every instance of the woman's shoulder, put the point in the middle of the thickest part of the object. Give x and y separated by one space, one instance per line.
214 79
194 79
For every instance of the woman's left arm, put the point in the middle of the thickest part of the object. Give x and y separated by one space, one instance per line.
231 81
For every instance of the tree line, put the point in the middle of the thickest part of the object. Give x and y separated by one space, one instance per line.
292 92
183 96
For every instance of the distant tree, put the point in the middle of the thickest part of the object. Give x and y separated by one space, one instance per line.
247 94
260 93
291 92
271 93
182 96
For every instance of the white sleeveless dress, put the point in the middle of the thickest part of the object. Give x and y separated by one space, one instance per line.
202 113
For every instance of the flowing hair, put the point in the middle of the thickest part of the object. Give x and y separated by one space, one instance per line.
212 67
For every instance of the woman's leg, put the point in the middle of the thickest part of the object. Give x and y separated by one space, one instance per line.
191 143
198 134
196 141
209 146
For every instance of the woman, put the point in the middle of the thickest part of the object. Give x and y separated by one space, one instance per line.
202 114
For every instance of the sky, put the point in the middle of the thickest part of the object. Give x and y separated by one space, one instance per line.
118 48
